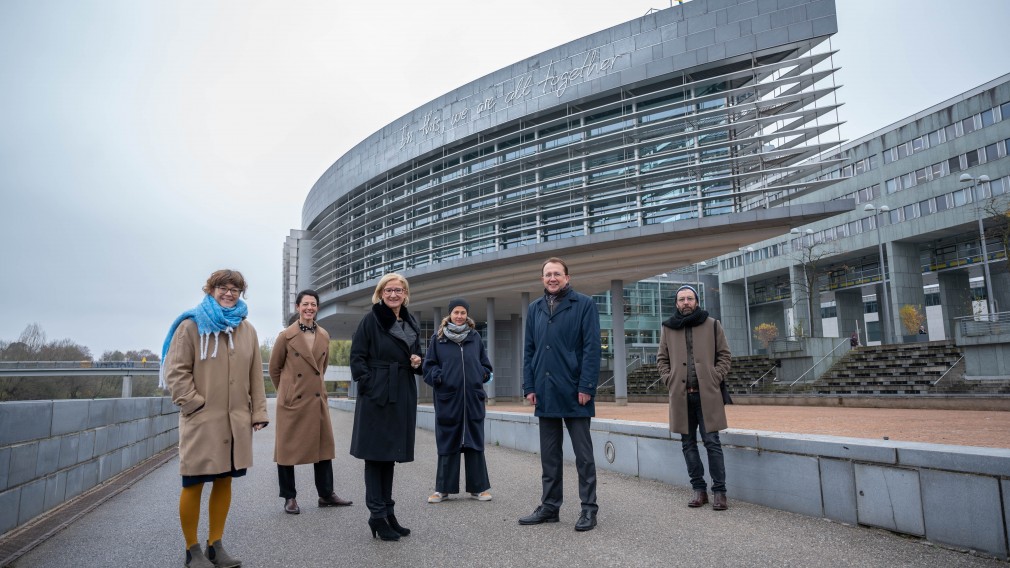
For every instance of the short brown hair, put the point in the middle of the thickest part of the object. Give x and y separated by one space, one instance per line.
225 277
555 260
377 294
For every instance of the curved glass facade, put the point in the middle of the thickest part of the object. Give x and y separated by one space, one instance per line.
695 142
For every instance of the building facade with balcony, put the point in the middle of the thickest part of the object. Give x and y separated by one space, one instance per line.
920 185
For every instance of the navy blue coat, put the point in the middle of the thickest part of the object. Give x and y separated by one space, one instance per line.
385 413
562 355
456 373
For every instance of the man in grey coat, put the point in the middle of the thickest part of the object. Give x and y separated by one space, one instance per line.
693 361
561 368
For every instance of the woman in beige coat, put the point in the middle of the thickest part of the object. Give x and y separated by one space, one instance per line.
304 434
212 366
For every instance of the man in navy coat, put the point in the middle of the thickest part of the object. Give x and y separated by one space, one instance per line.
561 368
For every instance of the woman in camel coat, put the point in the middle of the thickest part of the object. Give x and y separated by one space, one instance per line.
304 433
211 365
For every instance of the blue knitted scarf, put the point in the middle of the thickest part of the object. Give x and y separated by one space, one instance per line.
210 318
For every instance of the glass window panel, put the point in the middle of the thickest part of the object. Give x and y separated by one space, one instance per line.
998 186
954 164
968 125
934 138
972 158
988 118
991 153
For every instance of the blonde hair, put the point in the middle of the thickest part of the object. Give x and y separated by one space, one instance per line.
377 294
445 321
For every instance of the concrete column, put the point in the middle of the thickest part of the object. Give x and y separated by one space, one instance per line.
733 320
127 386
490 345
886 320
849 305
617 343
955 298
906 282
436 314
524 308
1000 288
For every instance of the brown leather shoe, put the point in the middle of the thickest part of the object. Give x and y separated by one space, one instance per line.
333 501
719 502
291 506
700 498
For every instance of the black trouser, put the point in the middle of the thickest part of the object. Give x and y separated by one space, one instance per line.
324 479
552 460
447 475
379 488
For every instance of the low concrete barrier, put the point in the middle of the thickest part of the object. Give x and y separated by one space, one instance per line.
53 450
955 496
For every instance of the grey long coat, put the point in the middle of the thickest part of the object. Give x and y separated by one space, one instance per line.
304 432
711 361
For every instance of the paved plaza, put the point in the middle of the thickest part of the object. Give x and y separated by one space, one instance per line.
642 523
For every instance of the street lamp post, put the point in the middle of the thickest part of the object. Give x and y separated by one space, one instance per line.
746 298
886 323
807 285
965 178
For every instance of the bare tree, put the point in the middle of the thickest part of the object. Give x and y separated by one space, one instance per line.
811 256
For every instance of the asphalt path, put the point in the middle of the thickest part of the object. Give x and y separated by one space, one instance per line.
641 523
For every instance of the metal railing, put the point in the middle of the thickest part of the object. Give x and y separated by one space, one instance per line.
947 371
830 353
762 377
984 324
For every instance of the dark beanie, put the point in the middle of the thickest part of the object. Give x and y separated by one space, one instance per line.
459 302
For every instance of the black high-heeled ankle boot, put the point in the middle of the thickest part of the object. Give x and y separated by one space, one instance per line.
395 525
382 528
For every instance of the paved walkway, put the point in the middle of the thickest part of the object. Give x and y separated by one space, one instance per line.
642 523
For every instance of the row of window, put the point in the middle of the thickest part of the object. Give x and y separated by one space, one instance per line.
949 132
958 198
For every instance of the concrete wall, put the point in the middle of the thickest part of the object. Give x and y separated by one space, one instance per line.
53 450
951 495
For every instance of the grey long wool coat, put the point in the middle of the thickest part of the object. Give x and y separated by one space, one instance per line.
304 432
711 361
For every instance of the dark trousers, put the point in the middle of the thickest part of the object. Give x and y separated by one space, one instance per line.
447 475
379 488
689 443
552 461
324 479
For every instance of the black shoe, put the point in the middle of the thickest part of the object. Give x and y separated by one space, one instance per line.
543 514
586 522
385 532
395 525
334 501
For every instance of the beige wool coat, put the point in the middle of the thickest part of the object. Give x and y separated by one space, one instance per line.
304 434
228 387
711 361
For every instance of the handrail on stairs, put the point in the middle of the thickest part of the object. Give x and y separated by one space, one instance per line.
947 371
843 342
761 378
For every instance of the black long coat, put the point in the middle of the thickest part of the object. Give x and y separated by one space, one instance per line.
456 373
385 413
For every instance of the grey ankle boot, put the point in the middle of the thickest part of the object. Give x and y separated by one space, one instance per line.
217 555
196 559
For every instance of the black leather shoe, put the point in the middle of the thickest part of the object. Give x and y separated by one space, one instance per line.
586 522
333 501
291 506
382 529
543 514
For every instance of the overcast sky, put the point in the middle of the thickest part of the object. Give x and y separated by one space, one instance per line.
144 144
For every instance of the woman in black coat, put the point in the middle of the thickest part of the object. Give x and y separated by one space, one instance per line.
385 355
456 366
